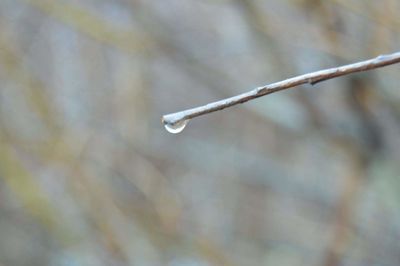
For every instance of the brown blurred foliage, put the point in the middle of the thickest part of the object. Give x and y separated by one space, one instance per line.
89 176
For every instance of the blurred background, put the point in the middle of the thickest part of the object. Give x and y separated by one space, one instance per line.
89 176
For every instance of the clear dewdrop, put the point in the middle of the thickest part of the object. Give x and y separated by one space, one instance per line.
176 128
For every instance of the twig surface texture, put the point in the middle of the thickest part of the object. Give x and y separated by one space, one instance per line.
310 78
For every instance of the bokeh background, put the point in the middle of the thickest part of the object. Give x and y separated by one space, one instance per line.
89 176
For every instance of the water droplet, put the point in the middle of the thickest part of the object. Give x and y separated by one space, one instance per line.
176 128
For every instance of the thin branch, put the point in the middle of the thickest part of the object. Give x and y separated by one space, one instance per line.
310 78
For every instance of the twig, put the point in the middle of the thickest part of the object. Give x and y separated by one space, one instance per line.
310 78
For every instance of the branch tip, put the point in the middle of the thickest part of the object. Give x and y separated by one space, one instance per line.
310 78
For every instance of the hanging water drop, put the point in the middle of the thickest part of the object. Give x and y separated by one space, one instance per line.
176 128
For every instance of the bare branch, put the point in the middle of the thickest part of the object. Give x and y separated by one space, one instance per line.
310 78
